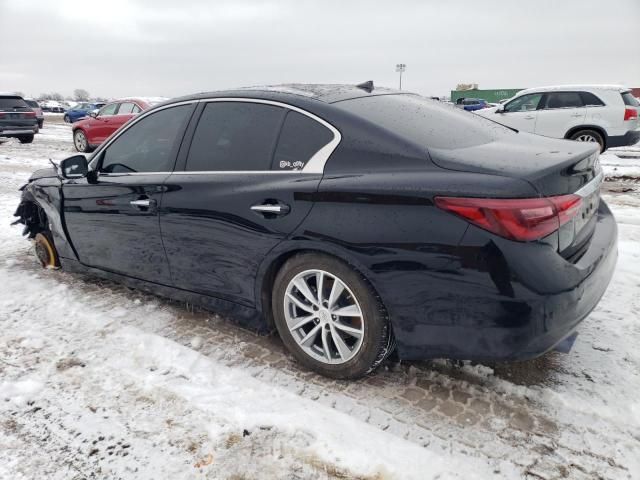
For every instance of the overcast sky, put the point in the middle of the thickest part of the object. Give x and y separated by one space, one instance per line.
167 47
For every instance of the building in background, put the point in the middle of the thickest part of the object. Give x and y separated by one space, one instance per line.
491 95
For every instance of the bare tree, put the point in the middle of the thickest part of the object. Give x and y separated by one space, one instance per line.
81 95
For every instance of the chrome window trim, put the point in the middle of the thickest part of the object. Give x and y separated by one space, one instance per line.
315 165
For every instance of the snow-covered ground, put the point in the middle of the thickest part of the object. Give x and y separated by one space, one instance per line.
101 381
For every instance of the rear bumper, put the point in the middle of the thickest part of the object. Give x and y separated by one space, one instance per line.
17 131
630 138
506 300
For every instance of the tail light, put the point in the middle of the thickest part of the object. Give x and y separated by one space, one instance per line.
30 114
630 114
522 219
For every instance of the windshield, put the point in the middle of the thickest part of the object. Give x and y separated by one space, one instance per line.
425 122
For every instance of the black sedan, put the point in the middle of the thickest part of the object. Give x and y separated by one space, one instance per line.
353 220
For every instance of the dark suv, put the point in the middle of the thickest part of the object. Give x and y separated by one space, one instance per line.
17 119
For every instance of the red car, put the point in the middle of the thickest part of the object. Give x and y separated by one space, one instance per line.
97 127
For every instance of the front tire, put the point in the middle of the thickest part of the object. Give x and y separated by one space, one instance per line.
26 138
80 141
66 119
589 136
329 317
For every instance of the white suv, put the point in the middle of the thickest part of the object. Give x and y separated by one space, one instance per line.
607 114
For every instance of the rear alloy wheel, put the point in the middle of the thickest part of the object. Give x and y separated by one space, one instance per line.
329 317
26 138
80 141
588 136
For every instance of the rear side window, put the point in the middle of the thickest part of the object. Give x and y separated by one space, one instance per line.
32 103
426 123
300 139
563 100
590 100
13 103
149 145
235 136
629 100
126 108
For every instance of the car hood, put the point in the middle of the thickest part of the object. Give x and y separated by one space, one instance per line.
552 166
43 173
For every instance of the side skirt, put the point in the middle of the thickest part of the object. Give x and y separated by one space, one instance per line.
246 317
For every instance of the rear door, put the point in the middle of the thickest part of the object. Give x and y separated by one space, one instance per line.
559 113
113 224
520 113
242 189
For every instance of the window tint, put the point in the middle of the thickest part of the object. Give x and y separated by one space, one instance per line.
12 102
32 103
108 109
425 122
590 100
563 100
525 103
149 145
235 136
136 109
126 108
630 100
301 137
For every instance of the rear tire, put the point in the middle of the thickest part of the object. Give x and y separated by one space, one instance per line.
26 138
80 141
364 334
589 136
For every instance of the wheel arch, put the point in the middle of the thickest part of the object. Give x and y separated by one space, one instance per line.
272 264
597 128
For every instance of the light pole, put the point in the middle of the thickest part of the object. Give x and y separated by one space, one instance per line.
401 67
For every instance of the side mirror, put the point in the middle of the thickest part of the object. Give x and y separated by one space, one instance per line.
93 113
74 167
500 108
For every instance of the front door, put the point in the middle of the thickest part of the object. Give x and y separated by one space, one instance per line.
113 224
520 113
243 189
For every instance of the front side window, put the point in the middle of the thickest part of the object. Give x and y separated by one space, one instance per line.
149 145
108 110
300 139
126 108
525 103
563 100
235 136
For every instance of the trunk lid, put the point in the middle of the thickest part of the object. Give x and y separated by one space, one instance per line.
554 167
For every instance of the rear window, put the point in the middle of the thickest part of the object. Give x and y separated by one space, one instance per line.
12 102
630 100
425 122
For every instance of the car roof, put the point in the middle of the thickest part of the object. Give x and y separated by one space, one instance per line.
327 93
553 88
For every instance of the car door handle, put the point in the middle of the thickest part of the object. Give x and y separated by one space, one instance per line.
577 115
142 203
529 117
271 208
